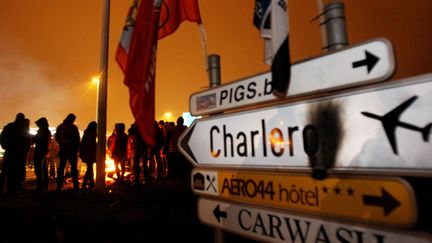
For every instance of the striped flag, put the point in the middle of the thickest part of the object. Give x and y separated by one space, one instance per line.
271 18
140 71
126 36
146 22
172 14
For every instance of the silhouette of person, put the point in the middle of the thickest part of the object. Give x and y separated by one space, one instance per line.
110 141
15 140
140 149
164 150
88 153
26 155
155 151
179 167
53 157
130 148
68 138
119 151
41 141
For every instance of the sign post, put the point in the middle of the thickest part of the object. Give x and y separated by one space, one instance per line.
384 128
367 62
348 139
388 201
271 225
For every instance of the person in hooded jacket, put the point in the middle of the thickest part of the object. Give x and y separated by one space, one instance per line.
68 137
88 153
119 150
140 155
41 141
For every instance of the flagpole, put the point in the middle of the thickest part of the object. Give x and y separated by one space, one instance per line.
102 99
203 40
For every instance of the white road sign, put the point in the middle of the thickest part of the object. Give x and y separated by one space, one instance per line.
366 62
275 226
382 128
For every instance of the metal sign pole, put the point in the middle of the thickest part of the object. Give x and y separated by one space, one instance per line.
102 100
320 5
214 70
335 26
214 81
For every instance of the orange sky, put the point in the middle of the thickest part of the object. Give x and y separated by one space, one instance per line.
49 51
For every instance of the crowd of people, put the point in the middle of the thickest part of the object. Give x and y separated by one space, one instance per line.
146 164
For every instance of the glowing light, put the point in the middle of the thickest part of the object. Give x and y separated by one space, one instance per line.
109 164
96 79
167 115
215 154
110 168
277 142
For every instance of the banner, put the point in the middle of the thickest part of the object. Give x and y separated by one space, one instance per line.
126 36
174 12
136 54
271 18
141 67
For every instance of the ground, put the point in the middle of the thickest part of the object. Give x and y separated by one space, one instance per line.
165 211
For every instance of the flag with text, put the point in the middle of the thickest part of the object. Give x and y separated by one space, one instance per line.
271 18
174 12
146 22
140 71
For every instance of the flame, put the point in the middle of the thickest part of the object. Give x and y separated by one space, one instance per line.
110 168
109 164
110 174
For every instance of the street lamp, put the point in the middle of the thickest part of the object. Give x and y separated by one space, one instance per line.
168 115
96 80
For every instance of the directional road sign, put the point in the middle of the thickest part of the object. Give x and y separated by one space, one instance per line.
387 200
382 128
270 225
366 62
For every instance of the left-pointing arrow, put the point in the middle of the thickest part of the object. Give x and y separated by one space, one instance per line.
219 214
386 201
370 61
183 142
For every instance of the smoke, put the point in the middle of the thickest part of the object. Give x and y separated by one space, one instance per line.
28 85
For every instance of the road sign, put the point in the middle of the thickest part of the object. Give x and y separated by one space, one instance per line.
270 225
387 200
366 62
384 128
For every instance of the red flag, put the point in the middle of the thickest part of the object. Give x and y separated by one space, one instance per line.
173 12
125 39
141 68
136 53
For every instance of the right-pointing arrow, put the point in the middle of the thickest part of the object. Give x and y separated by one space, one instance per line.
386 201
370 61
219 214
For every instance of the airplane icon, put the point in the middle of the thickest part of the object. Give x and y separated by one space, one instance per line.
391 120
